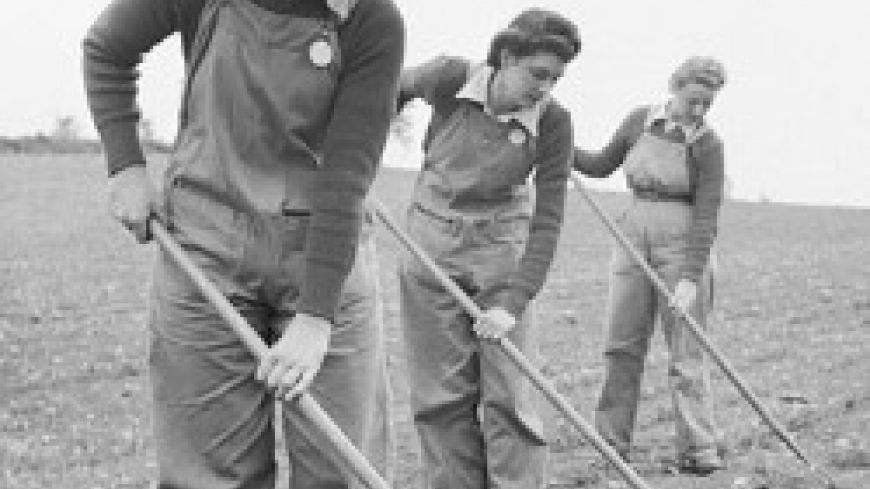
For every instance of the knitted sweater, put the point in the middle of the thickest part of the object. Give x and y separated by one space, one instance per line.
372 43
706 177
437 82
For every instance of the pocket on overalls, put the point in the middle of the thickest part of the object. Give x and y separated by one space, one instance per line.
510 231
675 222
437 235
273 247
203 224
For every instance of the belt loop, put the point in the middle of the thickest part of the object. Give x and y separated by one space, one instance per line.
456 226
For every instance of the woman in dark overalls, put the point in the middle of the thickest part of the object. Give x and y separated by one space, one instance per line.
493 125
674 164
284 116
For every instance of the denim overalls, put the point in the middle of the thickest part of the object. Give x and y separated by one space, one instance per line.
656 223
476 416
255 113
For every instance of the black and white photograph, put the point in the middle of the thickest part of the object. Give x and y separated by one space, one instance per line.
400 244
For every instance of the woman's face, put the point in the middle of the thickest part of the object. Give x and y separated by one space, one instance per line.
524 81
691 102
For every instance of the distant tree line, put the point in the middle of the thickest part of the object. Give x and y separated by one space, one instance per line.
65 138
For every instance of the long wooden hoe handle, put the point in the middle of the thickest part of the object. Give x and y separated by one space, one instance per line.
525 366
701 336
305 404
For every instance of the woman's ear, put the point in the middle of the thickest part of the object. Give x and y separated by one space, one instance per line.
507 58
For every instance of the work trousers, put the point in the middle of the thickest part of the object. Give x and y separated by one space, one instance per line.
213 421
476 415
658 230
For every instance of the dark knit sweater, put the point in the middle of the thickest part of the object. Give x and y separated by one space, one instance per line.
372 45
437 82
706 177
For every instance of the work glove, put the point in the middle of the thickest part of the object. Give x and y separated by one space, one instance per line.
291 364
132 200
494 323
685 295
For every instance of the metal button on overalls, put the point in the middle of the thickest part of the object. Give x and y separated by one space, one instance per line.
470 212
256 111
658 229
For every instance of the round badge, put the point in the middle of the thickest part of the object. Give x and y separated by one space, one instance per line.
517 136
320 53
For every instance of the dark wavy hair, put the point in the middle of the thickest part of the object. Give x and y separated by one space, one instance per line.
533 31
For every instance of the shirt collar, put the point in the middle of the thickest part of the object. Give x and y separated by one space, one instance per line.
662 113
342 8
475 89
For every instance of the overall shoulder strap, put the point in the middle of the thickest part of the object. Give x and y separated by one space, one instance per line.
451 105
693 139
208 18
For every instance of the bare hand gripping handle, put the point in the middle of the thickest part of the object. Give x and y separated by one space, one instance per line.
535 376
701 336
353 460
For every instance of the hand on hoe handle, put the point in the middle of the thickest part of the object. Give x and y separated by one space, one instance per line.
290 365
494 323
132 200
685 295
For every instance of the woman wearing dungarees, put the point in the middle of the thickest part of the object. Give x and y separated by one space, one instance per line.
284 116
493 125
674 165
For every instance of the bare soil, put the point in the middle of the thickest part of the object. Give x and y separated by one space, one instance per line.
792 315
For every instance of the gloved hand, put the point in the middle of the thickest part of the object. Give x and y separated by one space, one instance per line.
685 295
494 323
132 199
291 364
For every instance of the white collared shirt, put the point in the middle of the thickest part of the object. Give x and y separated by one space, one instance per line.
342 8
475 89
662 113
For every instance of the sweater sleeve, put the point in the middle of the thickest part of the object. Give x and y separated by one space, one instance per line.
373 41
435 81
552 164
603 163
112 50
709 157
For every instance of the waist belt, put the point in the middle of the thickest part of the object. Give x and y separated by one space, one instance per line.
456 223
660 196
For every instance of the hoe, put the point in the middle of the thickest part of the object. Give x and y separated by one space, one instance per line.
348 456
704 340
522 363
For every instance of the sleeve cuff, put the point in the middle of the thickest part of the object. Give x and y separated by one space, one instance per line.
512 299
121 145
320 292
692 273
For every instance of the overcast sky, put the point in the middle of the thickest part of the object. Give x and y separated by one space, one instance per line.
795 115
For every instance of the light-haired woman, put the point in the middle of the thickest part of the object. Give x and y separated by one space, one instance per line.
674 165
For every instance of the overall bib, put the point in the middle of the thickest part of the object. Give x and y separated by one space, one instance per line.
255 113
658 228
476 416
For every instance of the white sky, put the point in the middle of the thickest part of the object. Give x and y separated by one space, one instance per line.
795 115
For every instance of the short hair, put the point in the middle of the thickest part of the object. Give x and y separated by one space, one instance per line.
703 70
535 30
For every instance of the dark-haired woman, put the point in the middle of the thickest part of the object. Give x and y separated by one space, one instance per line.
674 164
284 116
493 125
